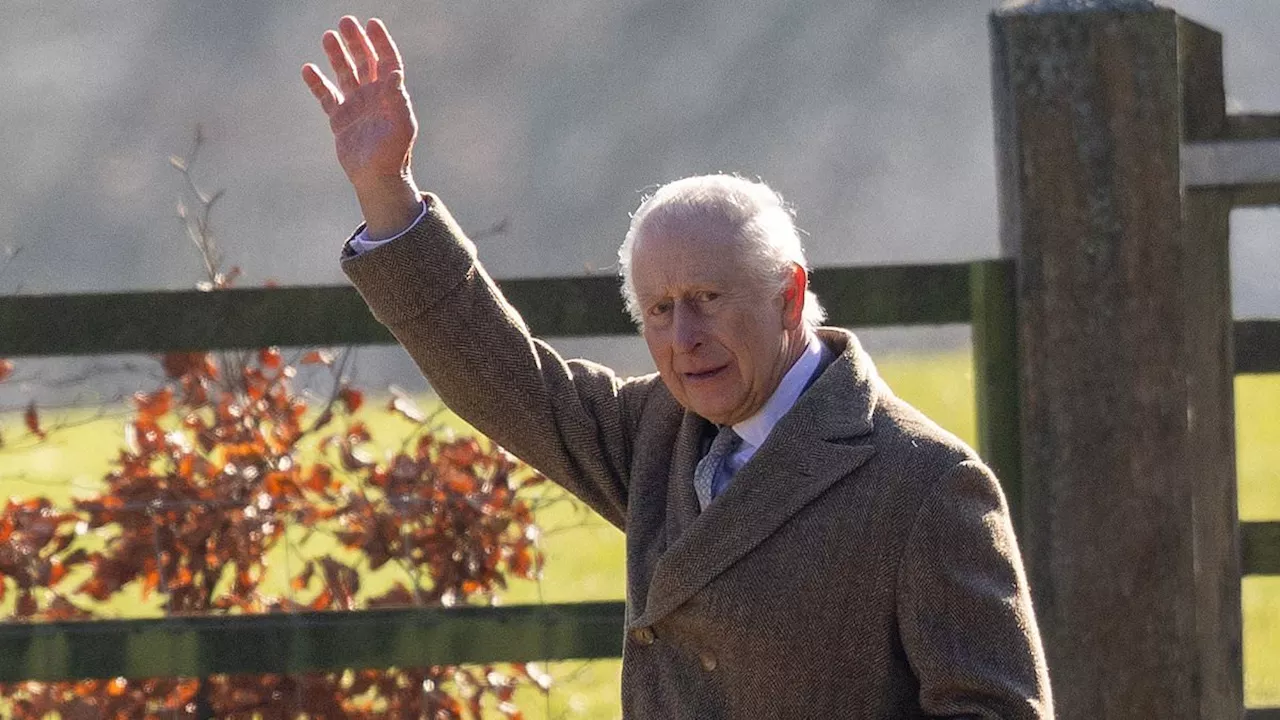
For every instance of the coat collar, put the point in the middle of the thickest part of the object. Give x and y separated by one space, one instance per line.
820 441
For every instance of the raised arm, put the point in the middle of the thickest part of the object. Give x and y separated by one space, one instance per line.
570 419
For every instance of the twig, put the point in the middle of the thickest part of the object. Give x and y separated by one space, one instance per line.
333 393
92 371
198 227
198 230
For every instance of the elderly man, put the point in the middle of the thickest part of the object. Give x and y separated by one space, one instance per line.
800 542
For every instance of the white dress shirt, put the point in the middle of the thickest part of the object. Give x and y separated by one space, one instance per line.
756 428
361 242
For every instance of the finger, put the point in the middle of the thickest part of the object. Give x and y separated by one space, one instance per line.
340 61
389 59
361 51
320 86
397 80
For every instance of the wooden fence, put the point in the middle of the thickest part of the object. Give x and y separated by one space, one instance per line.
978 293
308 316
1104 352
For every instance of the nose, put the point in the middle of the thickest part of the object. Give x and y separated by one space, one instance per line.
686 328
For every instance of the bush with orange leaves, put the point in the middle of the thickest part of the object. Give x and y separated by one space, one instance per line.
217 463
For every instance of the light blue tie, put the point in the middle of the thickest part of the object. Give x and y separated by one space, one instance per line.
704 475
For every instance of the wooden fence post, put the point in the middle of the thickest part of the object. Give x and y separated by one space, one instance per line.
1211 397
1113 314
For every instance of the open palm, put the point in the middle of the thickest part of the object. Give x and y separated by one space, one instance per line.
369 109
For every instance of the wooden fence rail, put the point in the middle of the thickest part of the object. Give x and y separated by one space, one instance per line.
152 322
308 641
89 324
1260 548
1257 346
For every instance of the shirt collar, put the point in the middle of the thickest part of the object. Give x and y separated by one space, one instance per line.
756 428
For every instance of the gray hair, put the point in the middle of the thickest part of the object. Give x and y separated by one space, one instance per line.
754 212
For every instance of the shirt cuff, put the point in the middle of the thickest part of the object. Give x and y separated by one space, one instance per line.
360 242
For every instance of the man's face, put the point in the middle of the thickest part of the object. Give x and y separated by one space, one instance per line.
721 339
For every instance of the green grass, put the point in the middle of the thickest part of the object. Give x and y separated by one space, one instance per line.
585 555
1258 446
1258 473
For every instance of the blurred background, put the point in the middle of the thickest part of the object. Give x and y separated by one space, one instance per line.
549 120
872 118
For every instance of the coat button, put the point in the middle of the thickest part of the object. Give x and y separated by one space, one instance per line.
643 636
708 661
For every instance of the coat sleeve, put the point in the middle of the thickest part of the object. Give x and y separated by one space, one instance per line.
964 609
572 420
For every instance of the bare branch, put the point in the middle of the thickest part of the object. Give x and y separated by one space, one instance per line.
197 224
338 376
90 371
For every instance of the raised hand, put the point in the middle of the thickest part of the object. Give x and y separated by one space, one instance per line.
372 121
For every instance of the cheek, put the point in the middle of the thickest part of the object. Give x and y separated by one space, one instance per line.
659 350
740 334
752 343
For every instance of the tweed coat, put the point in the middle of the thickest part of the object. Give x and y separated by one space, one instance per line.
860 565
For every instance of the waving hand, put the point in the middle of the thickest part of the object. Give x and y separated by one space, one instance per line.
372 120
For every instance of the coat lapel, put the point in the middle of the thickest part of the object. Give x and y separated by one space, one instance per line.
649 536
811 448
682 501
758 502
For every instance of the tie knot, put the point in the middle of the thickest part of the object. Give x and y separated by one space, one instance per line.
725 442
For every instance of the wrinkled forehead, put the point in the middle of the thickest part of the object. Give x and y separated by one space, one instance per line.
679 253
688 230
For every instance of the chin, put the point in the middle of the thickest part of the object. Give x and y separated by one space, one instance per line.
706 402
714 413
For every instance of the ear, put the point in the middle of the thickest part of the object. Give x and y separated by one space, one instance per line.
793 298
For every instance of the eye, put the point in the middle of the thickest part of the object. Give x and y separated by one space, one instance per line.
707 296
659 309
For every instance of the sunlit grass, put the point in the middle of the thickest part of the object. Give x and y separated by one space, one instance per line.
1258 446
1258 473
585 555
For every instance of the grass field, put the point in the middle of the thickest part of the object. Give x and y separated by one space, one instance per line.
584 555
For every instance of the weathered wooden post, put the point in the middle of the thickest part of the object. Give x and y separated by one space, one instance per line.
1124 372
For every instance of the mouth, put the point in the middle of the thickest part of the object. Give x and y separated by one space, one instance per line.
705 374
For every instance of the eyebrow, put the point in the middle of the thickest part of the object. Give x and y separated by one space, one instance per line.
647 298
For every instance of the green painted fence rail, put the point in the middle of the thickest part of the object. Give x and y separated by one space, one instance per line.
307 642
319 641
1260 548
90 324
298 642
1257 346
